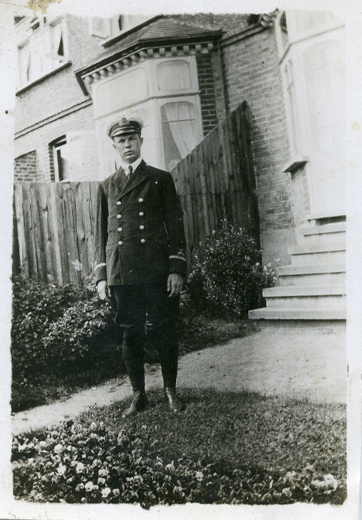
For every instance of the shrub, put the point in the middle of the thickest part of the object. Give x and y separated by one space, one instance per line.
227 278
54 329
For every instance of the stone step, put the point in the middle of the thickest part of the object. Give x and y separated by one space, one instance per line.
318 254
317 236
295 270
304 297
331 274
313 278
312 290
328 229
313 287
297 314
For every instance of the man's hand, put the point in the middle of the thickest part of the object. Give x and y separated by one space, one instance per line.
175 283
102 289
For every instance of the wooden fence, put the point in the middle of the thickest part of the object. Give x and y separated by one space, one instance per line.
54 222
216 181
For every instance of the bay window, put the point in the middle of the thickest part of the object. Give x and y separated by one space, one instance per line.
312 62
164 92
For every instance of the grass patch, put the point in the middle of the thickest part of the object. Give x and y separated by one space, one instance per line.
235 448
196 333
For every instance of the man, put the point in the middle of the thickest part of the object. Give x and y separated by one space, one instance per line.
140 257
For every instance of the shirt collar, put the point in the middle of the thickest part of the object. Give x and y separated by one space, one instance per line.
134 165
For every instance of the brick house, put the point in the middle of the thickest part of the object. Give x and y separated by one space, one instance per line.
183 74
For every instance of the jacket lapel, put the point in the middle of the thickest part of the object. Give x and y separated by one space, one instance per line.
120 180
137 178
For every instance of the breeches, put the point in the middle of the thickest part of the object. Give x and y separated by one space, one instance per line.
147 315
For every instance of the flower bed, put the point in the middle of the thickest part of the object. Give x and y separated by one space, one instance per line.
225 458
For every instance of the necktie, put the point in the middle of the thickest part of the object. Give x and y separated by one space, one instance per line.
130 170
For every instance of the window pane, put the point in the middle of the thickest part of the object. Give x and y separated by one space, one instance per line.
62 163
122 91
174 76
57 40
185 111
178 131
24 57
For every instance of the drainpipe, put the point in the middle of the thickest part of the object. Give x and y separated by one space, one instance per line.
223 85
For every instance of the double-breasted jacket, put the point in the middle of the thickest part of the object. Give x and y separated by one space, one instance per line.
139 236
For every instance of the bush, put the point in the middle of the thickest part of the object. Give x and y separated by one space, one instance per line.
227 278
55 329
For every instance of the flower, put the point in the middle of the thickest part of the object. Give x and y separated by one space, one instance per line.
199 475
106 492
287 492
80 467
170 468
103 472
89 486
93 426
58 448
116 492
101 481
61 469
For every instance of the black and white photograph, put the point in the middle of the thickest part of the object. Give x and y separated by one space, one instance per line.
181 314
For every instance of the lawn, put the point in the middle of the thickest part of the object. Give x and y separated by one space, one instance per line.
235 448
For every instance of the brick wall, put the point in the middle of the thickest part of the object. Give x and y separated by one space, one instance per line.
207 92
252 74
25 167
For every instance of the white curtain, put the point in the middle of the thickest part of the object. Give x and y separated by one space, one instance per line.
181 121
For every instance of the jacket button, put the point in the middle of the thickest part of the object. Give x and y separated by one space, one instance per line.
119 216
120 243
118 202
140 200
143 241
119 229
142 227
141 214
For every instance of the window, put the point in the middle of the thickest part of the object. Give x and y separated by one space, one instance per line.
75 156
44 50
100 27
61 160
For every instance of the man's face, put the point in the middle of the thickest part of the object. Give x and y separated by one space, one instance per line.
128 147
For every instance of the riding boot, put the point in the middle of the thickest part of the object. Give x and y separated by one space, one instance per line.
174 403
133 355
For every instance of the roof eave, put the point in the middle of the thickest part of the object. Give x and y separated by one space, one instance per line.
145 44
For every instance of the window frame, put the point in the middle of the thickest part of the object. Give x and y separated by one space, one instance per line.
55 146
32 40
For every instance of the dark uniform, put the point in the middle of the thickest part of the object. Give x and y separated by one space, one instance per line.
139 241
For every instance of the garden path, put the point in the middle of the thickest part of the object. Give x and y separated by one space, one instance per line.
298 362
